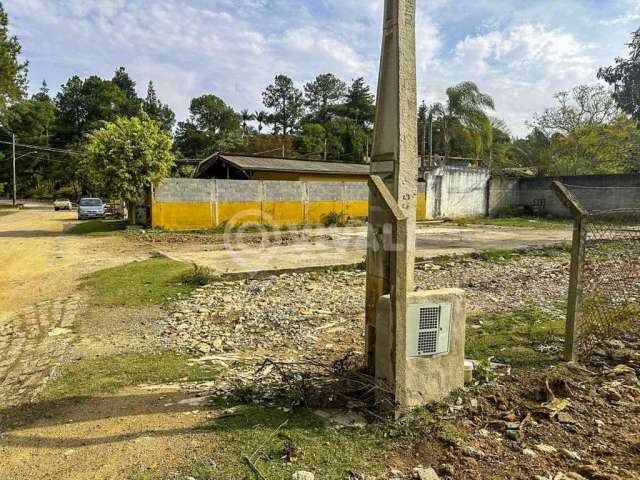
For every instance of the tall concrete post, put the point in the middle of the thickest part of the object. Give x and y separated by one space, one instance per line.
394 158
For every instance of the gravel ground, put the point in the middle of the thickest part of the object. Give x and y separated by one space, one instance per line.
296 316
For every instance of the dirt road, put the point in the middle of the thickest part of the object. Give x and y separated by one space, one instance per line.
39 262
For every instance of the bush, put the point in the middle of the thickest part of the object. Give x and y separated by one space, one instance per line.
198 276
509 212
334 219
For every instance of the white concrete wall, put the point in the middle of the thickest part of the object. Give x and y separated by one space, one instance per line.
464 192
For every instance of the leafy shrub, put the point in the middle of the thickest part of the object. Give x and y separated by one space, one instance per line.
198 276
334 219
509 212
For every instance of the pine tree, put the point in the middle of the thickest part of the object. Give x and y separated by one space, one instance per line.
158 111
13 72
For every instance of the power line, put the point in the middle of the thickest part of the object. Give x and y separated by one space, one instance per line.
44 149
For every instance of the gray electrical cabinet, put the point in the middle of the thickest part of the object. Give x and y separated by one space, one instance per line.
428 329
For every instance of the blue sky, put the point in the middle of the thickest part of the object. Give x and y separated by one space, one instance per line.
521 52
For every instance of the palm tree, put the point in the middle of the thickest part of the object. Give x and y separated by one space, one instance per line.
246 117
261 117
465 108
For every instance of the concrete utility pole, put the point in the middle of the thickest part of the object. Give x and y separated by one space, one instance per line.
15 198
430 141
394 167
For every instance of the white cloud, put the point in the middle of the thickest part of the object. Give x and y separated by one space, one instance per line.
521 66
233 48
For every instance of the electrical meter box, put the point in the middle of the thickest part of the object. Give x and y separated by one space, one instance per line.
428 329
421 358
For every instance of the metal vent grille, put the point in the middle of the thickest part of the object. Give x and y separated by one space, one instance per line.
427 342
429 318
428 329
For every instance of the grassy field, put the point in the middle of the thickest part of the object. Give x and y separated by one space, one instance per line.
96 227
524 222
281 442
108 374
139 284
512 337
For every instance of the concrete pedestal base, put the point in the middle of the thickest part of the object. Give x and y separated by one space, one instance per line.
415 380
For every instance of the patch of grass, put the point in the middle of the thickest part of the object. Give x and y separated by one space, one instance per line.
512 337
108 374
95 227
197 276
334 219
497 255
327 452
528 222
450 434
138 284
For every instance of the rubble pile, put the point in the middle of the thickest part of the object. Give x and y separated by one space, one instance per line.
287 316
303 315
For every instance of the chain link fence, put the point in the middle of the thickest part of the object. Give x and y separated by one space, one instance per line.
604 291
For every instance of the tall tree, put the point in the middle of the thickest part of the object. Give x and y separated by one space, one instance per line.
32 120
212 126
322 93
286 101
13 72
126 157
85 105
246 117
624 76
346 140
584 105
360 105
464 113
262 118
311 139
583 111
127 86
157 111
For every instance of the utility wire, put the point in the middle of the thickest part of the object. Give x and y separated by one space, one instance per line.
44 149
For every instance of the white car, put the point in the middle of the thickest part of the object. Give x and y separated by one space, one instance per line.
62 204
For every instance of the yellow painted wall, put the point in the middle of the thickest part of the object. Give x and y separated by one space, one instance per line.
185 216
239 212
182 216
283 213
421 208
300 177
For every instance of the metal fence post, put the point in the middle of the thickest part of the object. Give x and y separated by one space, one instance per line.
574 303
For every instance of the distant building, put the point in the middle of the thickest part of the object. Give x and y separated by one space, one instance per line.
245 167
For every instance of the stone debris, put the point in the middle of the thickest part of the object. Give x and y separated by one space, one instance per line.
288 314
302 475
349 419
570 454
541 447
420 473
472 452
322 312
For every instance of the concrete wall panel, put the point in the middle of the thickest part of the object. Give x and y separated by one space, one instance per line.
463 192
